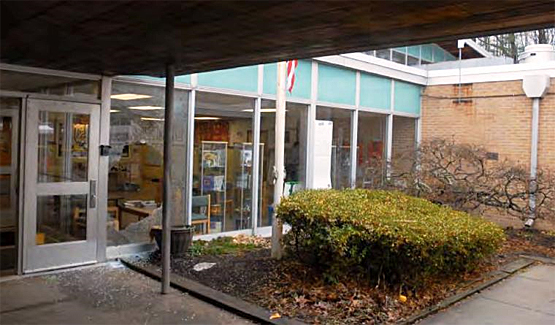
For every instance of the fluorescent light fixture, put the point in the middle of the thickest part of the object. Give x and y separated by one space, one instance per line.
152 119
146 108
115 111
129 96
262 110
206 118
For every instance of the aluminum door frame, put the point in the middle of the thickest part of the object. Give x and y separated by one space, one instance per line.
66 254
14 167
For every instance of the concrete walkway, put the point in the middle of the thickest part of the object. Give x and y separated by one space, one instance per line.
105 294
525 298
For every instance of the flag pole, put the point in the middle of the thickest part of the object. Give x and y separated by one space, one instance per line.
277 226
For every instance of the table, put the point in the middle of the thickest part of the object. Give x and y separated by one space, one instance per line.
141 213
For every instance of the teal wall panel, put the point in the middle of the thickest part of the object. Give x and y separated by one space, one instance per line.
401 49
336 85
243 78
185 79
375 91
407 97
414 50
270 78
303 78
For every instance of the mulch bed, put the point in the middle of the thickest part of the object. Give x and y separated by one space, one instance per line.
295 290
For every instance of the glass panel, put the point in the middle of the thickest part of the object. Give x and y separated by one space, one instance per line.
296 117
52 85
370 148
398 57
63 147
341 144
8 186
61 218
413 61
427 52
223 161
384 54
135 179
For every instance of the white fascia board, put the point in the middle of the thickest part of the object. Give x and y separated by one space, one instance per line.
366 63
490 74
49 72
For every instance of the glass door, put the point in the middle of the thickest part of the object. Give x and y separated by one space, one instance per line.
61 169
9 231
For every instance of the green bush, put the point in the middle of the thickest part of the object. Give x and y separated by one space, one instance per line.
388 235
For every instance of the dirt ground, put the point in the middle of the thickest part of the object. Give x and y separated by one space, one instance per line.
295 290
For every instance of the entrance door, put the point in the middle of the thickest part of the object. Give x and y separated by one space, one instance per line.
61 169
9 126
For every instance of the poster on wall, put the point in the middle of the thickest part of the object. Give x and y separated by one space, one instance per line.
323 132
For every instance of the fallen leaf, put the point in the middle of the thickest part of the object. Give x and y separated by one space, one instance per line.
275 316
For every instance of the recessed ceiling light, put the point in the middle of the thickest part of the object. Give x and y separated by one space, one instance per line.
146 108
115 111
206 118
129 96
151 119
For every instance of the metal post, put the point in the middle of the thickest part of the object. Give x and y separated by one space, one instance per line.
168 132
389 146
277 227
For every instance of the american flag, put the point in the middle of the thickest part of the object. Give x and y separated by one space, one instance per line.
291 66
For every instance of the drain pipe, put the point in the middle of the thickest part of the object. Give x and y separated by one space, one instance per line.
534 87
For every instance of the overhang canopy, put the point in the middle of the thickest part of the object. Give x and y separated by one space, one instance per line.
135 37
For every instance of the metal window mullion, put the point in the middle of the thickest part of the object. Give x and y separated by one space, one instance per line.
354 132
255 163
389 128
189 154
256 151
103 167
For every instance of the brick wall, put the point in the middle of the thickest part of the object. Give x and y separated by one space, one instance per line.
497 115
404 139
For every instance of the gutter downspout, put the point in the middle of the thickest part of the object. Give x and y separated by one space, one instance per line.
534 87
534 160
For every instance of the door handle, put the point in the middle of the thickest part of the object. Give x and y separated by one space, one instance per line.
92 194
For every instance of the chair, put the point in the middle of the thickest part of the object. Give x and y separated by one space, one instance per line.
202 203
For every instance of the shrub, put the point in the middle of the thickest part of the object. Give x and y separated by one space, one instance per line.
385 234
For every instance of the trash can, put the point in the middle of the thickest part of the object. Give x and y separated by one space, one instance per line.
181 238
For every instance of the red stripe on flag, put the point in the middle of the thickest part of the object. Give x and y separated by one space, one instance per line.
291 66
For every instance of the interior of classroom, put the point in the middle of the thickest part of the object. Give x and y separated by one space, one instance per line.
223 158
